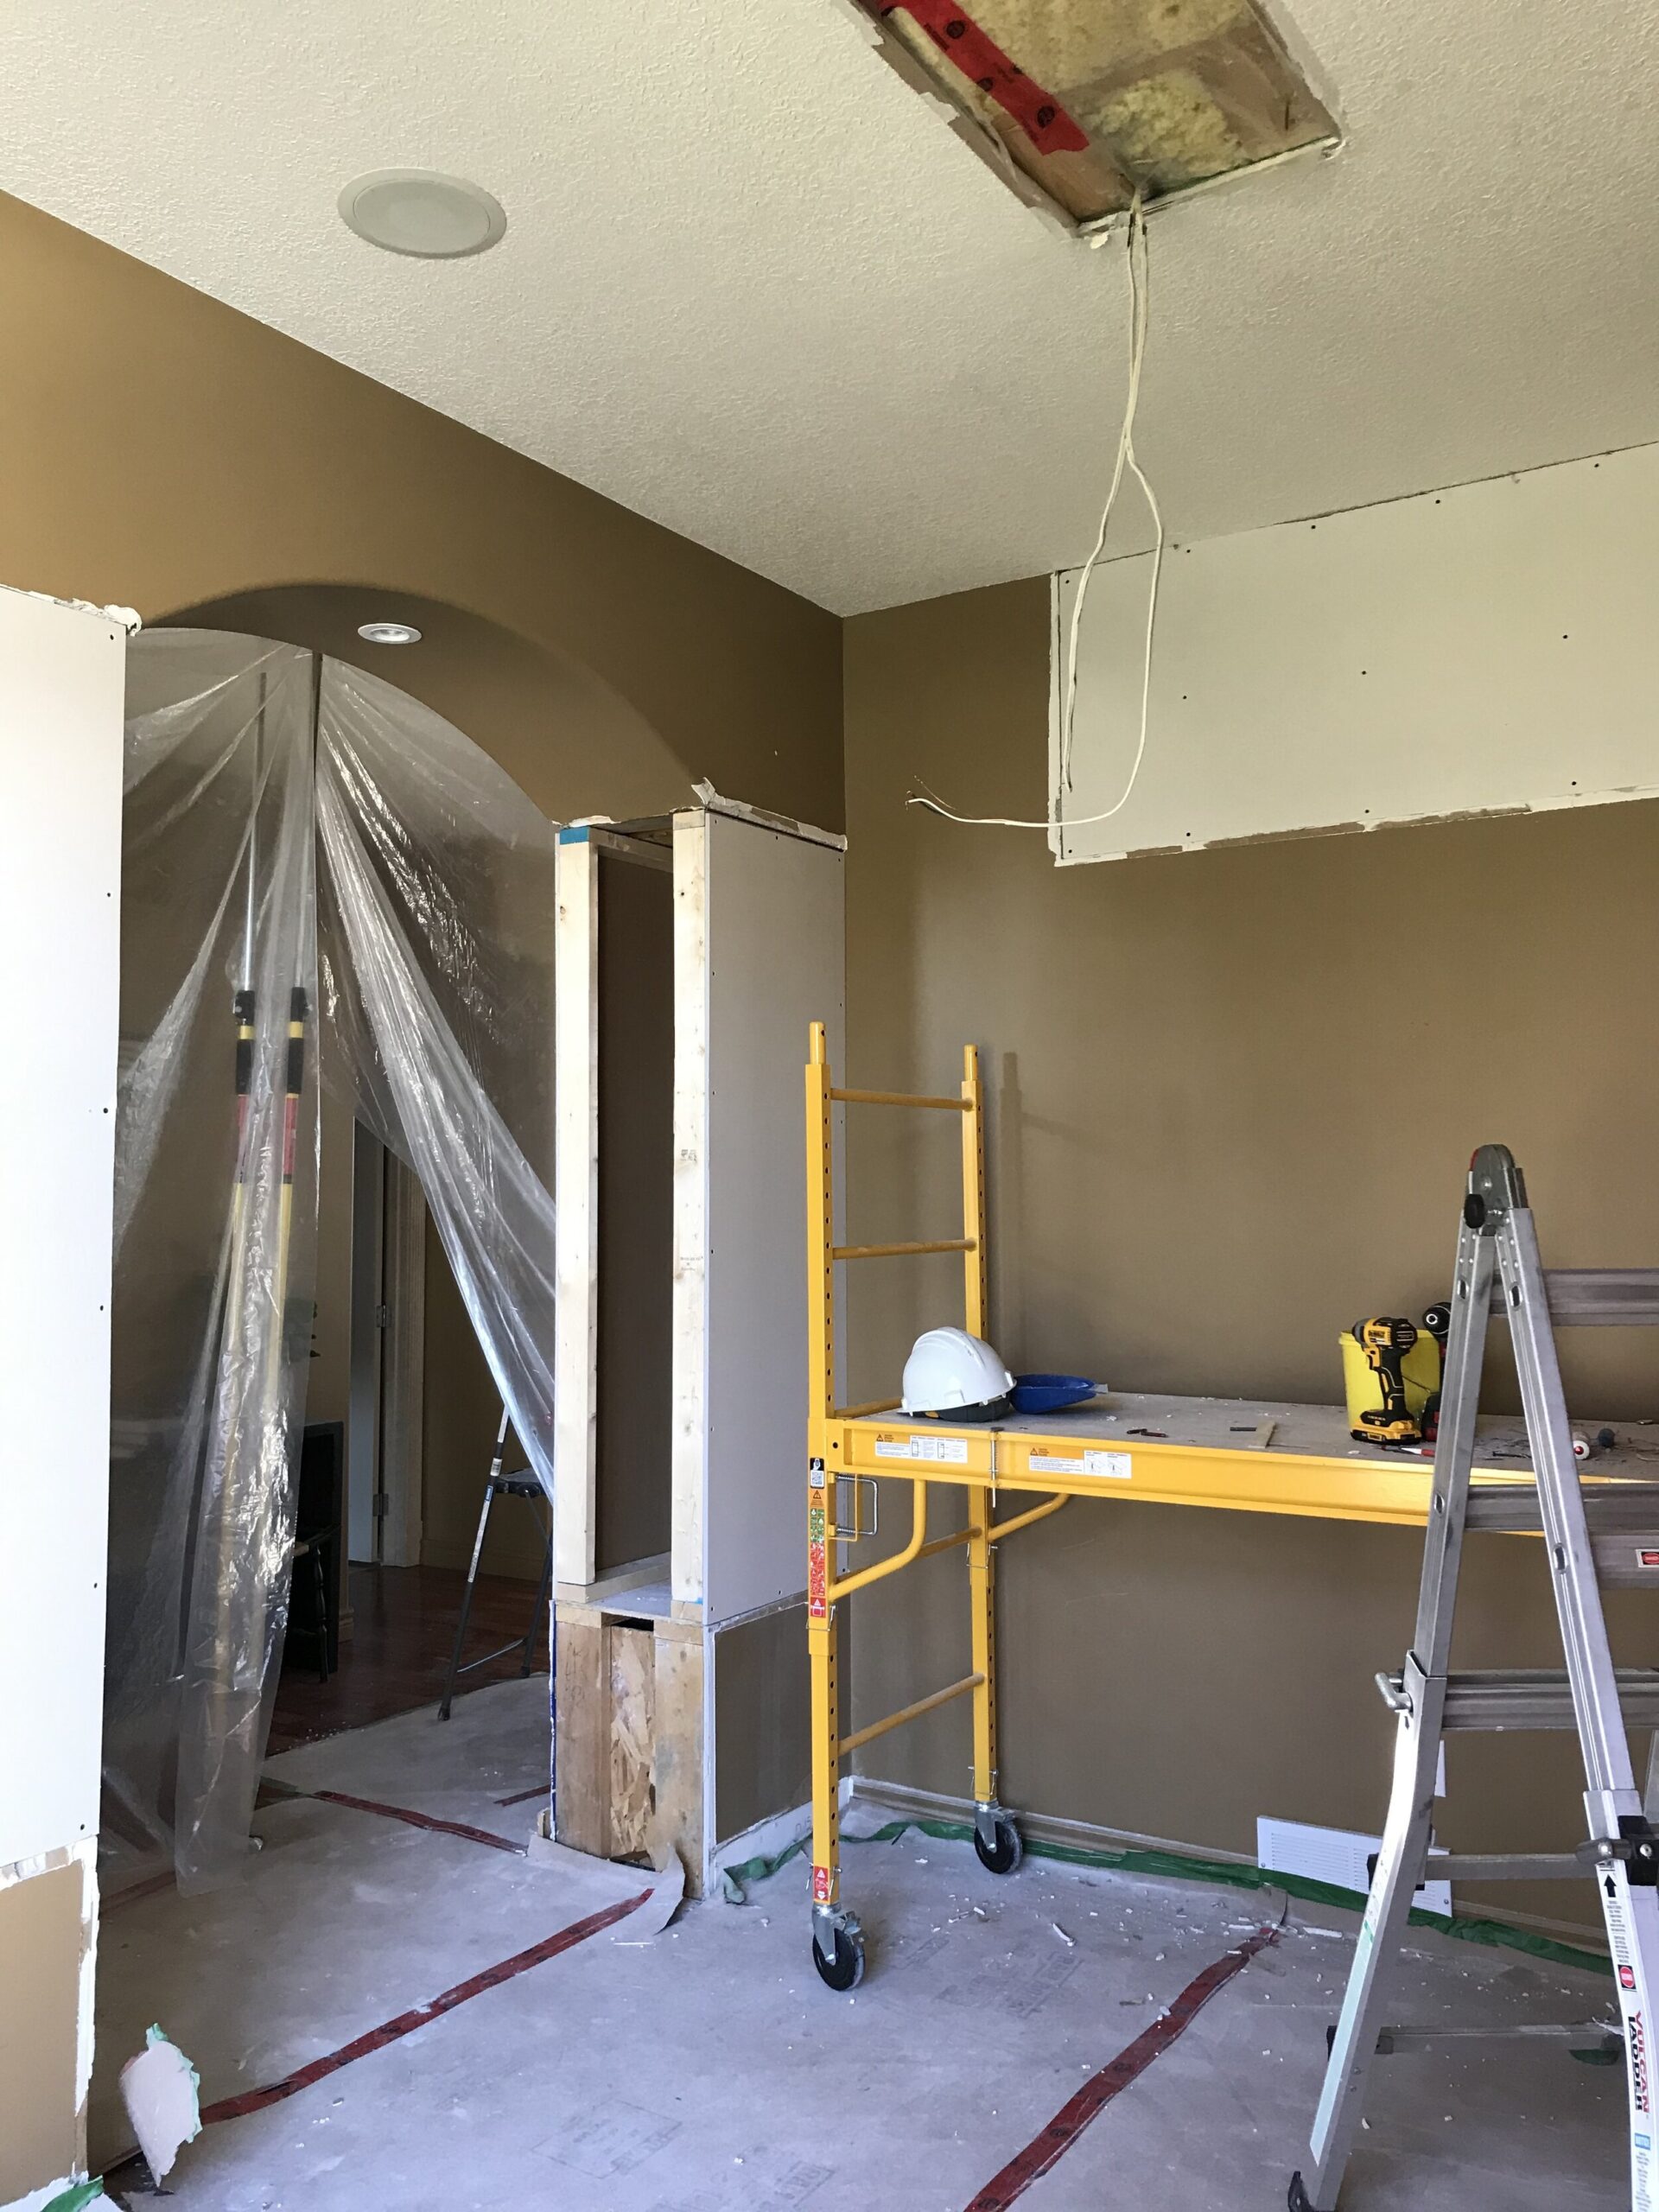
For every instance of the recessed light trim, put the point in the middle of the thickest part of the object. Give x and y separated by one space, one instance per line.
422 213
389 633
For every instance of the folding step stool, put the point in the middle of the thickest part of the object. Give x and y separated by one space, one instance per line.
520 1484
1602 1534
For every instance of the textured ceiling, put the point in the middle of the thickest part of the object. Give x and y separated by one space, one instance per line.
754 287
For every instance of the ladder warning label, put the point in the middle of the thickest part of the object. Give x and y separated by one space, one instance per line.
1115 1465
944 1450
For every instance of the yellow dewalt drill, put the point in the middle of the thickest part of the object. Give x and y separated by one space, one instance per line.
1385 1340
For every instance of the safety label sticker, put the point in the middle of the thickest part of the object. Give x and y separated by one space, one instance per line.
944 1450
1113 1464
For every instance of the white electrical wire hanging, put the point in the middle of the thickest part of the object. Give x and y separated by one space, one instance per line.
1125 459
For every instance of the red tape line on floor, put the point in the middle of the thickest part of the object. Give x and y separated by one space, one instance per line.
390 2031
1063 2130
416 1820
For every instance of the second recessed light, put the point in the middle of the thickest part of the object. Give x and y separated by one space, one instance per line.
422 212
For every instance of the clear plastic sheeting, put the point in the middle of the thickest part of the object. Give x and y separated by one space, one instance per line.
245 760
216 1166
437 921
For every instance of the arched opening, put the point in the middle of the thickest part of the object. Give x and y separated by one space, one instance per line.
565 736
462 856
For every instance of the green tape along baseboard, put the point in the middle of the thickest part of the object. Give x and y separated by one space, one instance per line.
1172 1865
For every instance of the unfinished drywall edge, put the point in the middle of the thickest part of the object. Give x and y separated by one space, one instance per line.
688 1463
1455 655
575 1032
761 817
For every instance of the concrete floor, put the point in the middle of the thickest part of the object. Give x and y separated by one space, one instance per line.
706 2069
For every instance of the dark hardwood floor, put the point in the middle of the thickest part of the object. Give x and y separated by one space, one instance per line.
395 1659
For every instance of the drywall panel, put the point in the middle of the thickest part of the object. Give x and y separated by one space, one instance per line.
775 961
636 1240
62 684
1489 648
575 1190
763 1749
690 1441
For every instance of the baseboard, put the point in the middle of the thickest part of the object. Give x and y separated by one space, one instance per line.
1036 1827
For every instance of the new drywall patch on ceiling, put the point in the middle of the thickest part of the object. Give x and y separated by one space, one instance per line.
1486 649
1083 102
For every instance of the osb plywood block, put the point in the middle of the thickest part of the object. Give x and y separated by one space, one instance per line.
1169 93
678 1761
582 1720
632 1733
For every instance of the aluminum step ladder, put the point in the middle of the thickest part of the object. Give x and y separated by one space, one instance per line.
521 1482
1595 1535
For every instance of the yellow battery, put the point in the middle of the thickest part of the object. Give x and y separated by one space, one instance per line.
1419 1371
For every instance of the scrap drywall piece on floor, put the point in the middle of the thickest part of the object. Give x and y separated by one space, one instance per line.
160 2090
667 1895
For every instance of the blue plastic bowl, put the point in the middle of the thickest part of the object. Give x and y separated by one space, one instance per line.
1048 1393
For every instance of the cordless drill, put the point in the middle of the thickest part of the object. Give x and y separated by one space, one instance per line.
1385 1340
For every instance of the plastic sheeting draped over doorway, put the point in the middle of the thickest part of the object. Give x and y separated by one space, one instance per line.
317 872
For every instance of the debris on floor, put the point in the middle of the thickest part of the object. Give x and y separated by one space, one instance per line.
160 2090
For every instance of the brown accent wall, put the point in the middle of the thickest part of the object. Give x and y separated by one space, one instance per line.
1232 1098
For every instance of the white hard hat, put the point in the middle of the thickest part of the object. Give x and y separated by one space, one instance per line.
948 1372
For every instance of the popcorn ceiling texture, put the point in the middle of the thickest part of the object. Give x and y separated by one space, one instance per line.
753 288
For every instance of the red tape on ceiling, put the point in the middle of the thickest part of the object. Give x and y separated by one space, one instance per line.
1039 114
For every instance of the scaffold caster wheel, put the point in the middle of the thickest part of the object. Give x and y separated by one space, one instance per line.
1004 1854
846 1969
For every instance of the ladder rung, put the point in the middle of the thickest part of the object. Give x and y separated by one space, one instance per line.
1622 1518
1590 1298
1529 1698
1598 2036
1507 1866
1609 1508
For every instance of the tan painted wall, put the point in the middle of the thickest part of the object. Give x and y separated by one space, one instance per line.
162 449
41 2135
159 449
1232 1098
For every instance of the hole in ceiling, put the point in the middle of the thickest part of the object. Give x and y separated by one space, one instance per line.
1079 102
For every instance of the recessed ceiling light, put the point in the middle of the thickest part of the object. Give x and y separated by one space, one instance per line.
419 212
389 633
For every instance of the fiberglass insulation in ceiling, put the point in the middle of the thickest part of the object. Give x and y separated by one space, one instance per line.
1092 99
